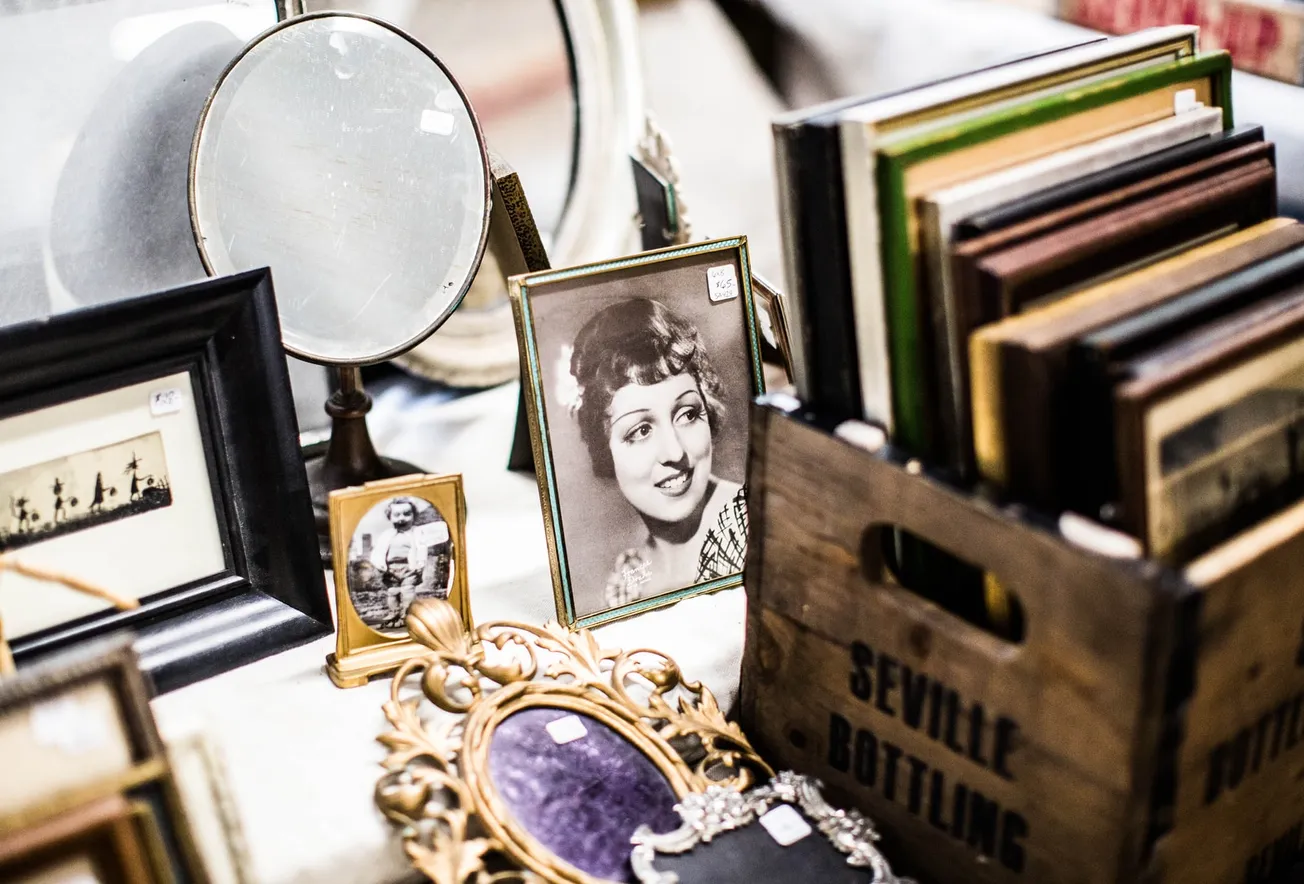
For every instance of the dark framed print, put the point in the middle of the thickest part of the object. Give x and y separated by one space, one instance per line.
148 447
395 541
638 377
94 794
778 832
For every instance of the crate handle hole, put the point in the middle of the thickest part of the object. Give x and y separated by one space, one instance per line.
891 554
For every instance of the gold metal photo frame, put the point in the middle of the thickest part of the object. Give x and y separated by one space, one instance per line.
426 557
699 299
95 781
461 817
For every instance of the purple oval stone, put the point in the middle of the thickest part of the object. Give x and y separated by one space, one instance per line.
581 799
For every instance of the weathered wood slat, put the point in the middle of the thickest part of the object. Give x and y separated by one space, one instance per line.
1059 759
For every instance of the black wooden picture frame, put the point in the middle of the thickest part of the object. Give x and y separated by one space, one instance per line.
225 332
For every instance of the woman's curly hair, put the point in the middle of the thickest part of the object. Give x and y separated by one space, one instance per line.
638 341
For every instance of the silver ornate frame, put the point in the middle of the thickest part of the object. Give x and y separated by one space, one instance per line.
719 810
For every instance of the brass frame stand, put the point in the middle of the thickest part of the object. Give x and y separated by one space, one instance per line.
350 458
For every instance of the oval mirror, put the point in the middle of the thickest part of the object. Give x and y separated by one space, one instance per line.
342 153
557 90
579 788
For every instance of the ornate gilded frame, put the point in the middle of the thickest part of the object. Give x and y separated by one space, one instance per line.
523 289
360 651
456 829
716 811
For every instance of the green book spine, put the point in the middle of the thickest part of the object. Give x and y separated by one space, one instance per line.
914 412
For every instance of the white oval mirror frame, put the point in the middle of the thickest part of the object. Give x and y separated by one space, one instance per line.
598 221
599 218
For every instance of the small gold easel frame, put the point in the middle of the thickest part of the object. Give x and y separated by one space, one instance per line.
362 652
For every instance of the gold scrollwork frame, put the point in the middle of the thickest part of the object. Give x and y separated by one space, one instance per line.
456 829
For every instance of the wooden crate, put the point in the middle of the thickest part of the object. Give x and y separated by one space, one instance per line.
1149 726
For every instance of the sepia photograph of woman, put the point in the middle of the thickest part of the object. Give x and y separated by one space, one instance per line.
650 412
642 384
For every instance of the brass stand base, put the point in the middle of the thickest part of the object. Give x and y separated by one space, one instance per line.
350 458
357 669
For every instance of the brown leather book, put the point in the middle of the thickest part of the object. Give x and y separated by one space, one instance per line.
1019 364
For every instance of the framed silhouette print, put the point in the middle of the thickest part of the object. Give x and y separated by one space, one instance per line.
148 450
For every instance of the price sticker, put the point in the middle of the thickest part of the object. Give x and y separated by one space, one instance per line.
67 725
1185 100
163 402
567 729
722 283
785 825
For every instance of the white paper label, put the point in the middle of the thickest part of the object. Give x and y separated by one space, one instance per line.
785 825
1184 100
67 725
566 730
163 402
722 283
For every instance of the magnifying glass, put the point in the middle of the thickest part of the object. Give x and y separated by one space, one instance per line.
341 153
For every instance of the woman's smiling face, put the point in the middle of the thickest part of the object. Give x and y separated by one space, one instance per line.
660 443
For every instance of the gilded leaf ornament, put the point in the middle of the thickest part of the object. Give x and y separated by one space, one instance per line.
436 785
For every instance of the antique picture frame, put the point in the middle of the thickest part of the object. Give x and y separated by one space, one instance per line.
393 541
672 338
95 782
100 841
598 724
772 301
222 574
848 853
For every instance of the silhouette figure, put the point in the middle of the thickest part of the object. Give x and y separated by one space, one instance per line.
133 467
59 511
21 514
97 499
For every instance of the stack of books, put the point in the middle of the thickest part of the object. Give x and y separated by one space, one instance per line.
1062 281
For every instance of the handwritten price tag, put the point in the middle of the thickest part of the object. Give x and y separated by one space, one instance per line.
163 402
722 283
